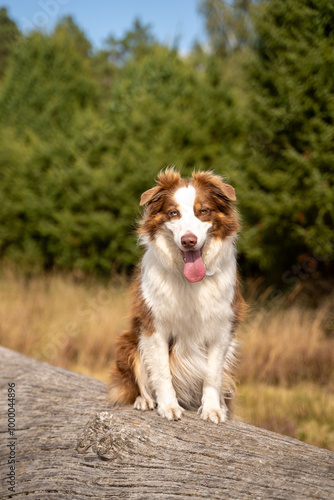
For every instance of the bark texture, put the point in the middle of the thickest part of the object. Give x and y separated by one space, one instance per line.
69 444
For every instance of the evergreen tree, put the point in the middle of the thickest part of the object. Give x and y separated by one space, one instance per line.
70 31
48 123
71 192
135 43
107 63
289 203
9 33
82 135
47 82
162 111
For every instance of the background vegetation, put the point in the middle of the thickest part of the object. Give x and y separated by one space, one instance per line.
83 133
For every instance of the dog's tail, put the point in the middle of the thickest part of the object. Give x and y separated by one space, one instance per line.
123 386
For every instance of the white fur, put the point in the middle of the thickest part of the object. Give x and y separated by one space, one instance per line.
196 317
188 223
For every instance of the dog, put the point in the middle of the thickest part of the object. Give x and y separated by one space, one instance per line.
180 350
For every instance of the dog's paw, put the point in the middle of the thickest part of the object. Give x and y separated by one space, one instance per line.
143 404
171 411
213 414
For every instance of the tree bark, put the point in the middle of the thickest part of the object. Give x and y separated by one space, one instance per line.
68 443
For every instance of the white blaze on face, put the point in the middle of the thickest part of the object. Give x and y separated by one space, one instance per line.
188 223
194 269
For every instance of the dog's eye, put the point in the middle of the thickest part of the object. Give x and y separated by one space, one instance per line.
204 211
173 213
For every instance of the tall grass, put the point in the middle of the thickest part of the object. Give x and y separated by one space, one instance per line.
286 346
304 411
64 322
286 356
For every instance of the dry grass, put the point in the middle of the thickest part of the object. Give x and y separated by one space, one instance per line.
304 411
66 323
286 369
286 346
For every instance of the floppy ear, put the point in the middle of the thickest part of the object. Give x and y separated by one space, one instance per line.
221 189
150 195
228 191
167 179
216 183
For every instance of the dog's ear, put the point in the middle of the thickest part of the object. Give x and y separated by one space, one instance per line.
167 179
150 195
216 183
226 191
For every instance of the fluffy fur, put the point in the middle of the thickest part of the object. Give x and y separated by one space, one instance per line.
179 351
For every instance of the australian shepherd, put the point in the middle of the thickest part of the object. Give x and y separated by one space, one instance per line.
180 349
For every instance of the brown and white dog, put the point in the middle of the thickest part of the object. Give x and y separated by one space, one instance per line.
179 351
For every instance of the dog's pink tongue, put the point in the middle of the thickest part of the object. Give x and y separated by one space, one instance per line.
194 269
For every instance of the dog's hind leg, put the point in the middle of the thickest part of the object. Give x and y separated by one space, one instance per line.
123 386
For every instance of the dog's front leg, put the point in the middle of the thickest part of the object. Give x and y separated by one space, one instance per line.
212 409
154 351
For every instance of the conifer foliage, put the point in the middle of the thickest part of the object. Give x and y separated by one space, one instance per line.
83 133
290 149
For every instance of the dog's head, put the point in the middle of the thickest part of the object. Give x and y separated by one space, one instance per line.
193 211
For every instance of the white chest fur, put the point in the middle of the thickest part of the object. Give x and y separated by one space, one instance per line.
180 308
193 316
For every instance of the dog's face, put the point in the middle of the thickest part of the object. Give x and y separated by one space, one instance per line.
193 212
185 221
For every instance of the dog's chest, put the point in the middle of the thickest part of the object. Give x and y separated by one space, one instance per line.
187 309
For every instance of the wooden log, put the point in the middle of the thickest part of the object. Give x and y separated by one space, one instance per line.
69 444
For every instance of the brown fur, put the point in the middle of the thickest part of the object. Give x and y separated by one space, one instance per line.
159 202
239 305
124 387
214 203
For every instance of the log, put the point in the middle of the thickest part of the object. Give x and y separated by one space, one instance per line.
69 444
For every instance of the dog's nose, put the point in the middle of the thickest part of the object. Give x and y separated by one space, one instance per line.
188 241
